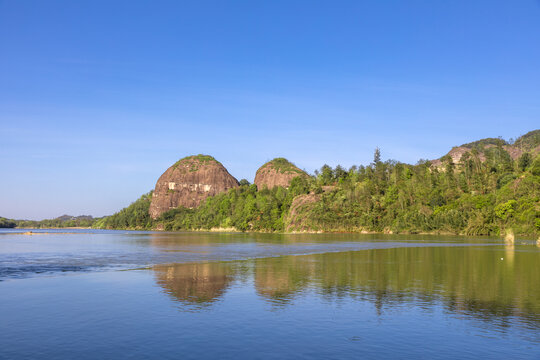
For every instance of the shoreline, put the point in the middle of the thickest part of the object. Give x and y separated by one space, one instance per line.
305 232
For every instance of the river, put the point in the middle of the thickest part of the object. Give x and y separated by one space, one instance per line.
89 294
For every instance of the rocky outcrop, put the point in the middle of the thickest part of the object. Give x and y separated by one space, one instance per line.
456 153
529 142
298 219
277 172
188 182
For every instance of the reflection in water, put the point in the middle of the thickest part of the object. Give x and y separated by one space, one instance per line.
280 278
500 278
197 283
24 256
174 240
498 284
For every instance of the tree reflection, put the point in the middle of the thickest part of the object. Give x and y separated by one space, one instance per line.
492 283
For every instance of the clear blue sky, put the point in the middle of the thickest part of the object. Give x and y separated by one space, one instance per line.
98 98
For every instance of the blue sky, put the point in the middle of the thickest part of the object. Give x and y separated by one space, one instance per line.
98 98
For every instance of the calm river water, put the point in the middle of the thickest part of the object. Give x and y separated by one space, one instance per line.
77 294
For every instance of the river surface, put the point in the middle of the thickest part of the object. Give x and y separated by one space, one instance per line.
88 294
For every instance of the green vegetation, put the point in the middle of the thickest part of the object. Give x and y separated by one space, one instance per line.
194 161
244 209
471 197
64 221
528 141
485 193
7 223
283 166
134 217
481 144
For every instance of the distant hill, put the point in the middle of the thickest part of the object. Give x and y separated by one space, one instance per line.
486 149
7 223
74 218
64 221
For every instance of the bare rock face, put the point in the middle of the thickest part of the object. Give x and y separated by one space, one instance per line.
277 172
188 182
456 153
297 220
529 142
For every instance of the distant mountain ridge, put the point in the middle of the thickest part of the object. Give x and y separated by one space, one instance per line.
71 217
64 221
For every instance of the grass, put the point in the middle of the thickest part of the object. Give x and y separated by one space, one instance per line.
195 160
283 166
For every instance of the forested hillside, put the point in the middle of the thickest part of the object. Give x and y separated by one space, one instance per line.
7 223
64 221
485 192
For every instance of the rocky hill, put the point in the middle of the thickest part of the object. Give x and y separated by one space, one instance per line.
277 172
529 142
188 182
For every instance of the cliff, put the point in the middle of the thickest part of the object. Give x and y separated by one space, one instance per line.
277 172
188 182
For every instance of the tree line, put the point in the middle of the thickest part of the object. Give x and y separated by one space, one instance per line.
486 192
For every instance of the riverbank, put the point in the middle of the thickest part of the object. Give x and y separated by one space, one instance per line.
160 228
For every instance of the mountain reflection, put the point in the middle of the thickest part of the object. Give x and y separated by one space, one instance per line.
489 282
196 283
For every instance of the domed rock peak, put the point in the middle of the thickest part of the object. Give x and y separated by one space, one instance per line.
188 182
277 172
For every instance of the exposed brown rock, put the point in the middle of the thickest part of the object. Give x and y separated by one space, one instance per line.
295 221
515 151
277 172
188 182
529 142
456 153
